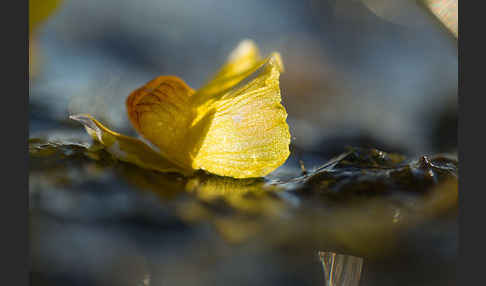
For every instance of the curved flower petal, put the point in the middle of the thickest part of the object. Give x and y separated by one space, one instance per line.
248 135
242 62
234 126
127 148
162 113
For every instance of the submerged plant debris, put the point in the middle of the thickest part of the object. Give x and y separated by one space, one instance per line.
360 200
363 202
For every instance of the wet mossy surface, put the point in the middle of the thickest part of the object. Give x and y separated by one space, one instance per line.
365 202
370 172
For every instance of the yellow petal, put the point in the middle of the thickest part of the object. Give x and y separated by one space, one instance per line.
242 61
162 113
126 148
248 135
234 126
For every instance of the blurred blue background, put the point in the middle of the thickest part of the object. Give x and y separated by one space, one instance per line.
351 76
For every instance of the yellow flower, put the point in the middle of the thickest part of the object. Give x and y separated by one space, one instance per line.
233 126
